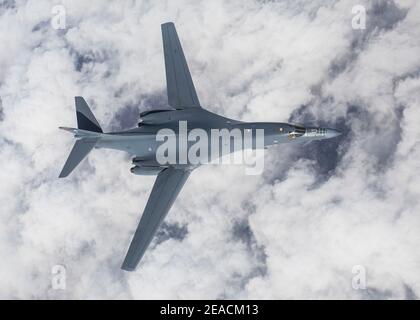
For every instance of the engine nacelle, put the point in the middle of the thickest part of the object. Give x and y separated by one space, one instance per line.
156 116
146 171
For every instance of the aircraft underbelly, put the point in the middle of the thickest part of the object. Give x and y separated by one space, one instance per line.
146 146
143 146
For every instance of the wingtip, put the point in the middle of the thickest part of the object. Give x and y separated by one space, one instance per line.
62 175
127 268
167 24
128 265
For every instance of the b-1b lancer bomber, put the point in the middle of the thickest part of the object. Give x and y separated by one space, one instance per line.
184 112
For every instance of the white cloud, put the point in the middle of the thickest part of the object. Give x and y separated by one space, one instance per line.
301 230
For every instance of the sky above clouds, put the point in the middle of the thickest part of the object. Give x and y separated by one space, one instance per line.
296 231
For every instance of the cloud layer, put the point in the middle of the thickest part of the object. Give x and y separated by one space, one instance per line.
296 231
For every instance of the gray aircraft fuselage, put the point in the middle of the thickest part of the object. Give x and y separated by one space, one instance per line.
143 143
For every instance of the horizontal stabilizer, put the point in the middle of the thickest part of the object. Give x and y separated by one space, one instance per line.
80 150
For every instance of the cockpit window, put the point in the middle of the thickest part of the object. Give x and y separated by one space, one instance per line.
297 132
300 129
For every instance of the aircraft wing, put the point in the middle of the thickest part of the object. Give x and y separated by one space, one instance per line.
180 87
168 184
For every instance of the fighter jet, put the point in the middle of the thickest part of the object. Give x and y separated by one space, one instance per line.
143 142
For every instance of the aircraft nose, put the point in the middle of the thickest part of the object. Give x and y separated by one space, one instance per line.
332 133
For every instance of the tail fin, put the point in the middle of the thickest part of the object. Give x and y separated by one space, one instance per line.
85 118
88 130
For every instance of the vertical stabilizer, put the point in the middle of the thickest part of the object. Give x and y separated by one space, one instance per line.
85 118
88 130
